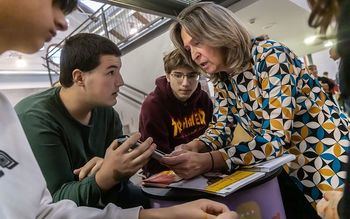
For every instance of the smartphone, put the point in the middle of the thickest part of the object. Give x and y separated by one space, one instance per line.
123 138
157 154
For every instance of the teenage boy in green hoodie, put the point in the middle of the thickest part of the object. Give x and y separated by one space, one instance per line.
22 185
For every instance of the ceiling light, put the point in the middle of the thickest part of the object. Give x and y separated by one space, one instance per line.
328 43
68 21
133 31
310 40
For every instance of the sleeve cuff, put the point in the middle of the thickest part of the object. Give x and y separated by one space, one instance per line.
96 192
131 213
207 143
231 166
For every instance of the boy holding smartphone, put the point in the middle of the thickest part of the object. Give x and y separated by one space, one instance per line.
25 26
177 111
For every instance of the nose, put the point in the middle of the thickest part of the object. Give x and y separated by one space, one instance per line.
194 54
60 20
185 81
119 80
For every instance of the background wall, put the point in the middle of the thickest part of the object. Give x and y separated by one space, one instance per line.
15 95
324 63
145 63
140 68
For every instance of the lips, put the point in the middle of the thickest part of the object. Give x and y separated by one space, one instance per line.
185 91
48 39
204 65
52 34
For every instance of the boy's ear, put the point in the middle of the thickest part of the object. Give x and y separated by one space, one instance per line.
78 77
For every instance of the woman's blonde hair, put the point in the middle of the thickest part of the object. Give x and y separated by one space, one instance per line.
215 26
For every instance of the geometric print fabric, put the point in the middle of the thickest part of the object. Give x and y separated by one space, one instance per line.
283 108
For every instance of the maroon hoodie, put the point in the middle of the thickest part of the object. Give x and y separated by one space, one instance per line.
171 122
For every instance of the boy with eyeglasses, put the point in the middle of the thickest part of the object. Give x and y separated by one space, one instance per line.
177 111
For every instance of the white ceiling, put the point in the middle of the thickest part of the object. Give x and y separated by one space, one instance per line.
8 60
282 20
287 20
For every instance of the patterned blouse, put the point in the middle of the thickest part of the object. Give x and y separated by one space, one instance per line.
283 109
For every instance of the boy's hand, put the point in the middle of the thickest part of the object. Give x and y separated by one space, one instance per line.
90 168
121 162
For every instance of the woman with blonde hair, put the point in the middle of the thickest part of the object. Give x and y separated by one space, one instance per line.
263 87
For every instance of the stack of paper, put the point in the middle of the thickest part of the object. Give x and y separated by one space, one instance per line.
219 186
217 183
271 165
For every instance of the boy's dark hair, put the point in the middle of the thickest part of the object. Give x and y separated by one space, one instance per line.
67 6
174 60
83 52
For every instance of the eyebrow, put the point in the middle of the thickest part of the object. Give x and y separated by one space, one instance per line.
113 66
192 72
189 43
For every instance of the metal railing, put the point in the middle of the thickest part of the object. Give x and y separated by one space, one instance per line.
124 26
120 25
133 94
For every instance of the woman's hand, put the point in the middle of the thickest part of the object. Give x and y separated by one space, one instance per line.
327 208
188 164
195 146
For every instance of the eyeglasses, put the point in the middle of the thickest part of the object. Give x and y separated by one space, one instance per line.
179 77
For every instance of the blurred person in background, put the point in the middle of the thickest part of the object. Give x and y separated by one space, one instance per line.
335 204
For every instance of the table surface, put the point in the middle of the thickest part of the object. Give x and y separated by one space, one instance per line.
176 194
